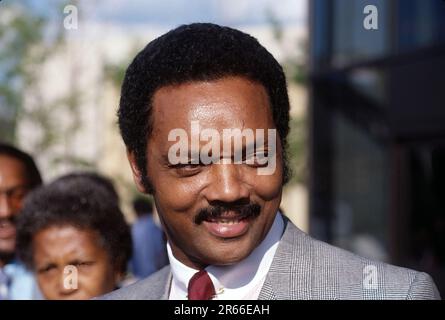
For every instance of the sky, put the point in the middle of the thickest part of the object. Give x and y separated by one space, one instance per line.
175 12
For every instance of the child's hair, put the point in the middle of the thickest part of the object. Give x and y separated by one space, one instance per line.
80 201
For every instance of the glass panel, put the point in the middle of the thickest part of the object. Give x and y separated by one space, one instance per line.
421 23
352 42
427 223
320 28
371 83
360 191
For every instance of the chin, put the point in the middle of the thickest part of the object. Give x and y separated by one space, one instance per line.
7 252
229 255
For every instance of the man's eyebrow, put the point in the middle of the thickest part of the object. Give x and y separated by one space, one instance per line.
253 146
190 155
45 265
14 188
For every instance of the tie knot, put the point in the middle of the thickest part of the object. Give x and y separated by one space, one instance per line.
201 287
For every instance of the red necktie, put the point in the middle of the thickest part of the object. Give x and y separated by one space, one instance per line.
201 287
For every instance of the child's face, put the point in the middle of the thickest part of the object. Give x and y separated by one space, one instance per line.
62 251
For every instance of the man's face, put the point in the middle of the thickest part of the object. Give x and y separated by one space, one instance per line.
215 213
13 187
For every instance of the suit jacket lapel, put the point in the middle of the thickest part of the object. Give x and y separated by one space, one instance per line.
168 282
156 287
290 274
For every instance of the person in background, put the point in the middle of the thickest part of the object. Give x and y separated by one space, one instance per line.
149 247
94 178
18 176
74 237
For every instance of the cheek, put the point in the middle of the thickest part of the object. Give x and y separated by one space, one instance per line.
269 187
48 285
16 210
97 280
178 194
7 245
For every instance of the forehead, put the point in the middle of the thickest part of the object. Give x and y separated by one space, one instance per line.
231 102
12 171
65 240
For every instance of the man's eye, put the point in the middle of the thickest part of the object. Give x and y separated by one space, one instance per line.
187 166
187 169
47 269
83 263
257 160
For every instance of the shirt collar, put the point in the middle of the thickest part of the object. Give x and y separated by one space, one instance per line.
14 268
234 281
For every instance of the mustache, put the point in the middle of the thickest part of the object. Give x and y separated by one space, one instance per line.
12 220
250 210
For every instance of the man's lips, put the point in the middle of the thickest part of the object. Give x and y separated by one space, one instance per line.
7 230
227 226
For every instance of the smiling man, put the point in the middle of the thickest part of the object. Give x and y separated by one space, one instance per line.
226 236
18 176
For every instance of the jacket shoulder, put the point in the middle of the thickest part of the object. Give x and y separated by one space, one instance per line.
363 278
154 287
311 269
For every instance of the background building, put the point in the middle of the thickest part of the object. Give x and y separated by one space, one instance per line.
377 130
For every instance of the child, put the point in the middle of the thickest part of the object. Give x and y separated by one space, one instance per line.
73 236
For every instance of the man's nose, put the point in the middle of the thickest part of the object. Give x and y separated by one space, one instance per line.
5 206
227 184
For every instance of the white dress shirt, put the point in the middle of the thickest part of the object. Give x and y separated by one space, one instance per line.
241 281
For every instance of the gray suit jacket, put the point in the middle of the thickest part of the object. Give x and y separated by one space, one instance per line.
305 268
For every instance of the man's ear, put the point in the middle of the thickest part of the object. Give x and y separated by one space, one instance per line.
137 176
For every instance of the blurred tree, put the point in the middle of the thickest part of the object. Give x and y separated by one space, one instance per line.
298 149
114 72
294 65
29 38
20 32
